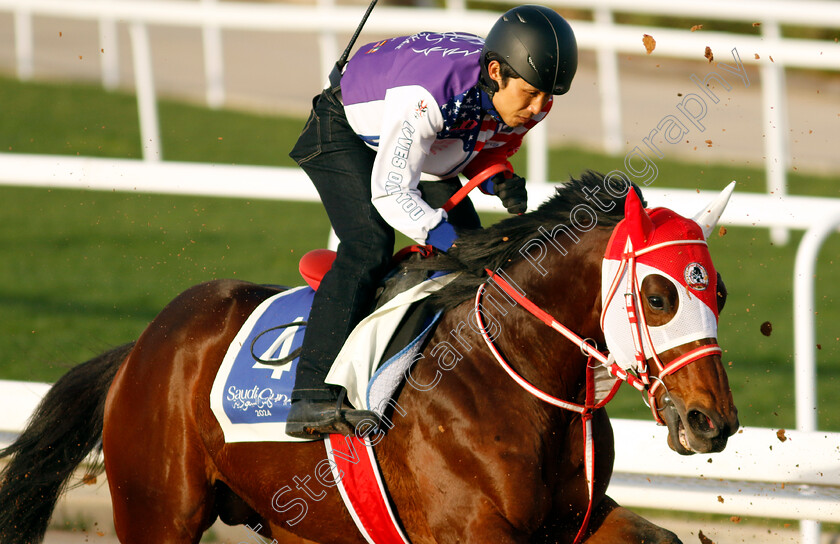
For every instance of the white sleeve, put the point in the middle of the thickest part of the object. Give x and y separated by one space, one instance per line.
411 119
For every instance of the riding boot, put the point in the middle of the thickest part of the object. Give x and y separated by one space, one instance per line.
313 417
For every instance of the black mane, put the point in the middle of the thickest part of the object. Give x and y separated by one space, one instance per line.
498 245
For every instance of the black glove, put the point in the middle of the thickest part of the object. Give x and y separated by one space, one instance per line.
511 191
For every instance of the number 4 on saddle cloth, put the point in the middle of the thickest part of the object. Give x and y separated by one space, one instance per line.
251 394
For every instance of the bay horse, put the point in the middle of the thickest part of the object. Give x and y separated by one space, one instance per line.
483 456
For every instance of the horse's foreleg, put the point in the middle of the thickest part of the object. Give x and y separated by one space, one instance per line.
613 523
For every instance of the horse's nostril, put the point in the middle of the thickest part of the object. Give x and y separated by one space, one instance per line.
701 424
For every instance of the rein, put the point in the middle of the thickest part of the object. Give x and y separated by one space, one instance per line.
585 410
641 380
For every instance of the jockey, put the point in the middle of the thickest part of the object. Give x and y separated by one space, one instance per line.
384 145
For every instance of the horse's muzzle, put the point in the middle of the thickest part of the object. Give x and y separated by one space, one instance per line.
696 430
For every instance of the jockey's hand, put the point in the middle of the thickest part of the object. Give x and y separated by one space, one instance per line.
442 236
511 191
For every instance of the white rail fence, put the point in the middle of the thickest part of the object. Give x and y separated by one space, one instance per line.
819 217
602 35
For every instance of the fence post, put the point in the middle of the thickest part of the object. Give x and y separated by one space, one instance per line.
109 59
608 86
774 103
804 320
455 6
805 360
537 154
214 74
328 44
23 42
145 88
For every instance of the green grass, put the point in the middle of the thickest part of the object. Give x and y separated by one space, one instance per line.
82 271
86 270
84 120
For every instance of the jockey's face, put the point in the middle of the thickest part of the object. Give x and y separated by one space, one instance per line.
516 101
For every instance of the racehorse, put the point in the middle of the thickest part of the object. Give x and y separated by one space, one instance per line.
483 452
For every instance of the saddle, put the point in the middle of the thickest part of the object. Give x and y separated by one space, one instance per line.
316 263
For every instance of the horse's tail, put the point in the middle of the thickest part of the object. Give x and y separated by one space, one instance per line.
65 428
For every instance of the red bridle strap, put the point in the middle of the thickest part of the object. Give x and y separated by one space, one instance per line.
585 347
639 326
584 410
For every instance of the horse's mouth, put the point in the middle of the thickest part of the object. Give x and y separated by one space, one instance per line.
696 437
677 435
682 436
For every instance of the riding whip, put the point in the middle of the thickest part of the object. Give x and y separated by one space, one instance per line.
335 74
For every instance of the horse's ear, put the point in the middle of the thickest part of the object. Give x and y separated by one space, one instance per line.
639 224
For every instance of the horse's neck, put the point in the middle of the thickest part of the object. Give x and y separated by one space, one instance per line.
569 285
570 292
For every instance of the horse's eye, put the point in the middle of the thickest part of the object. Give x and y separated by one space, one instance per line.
656 302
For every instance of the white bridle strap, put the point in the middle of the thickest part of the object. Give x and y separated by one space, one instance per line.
660 245
636 318
685 359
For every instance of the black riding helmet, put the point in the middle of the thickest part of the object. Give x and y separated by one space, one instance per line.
537 43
